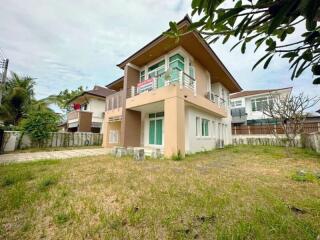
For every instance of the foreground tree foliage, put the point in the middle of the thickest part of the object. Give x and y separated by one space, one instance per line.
266 23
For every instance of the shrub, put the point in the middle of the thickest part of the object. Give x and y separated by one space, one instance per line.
38 126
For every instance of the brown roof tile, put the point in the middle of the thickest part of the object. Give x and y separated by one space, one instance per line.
254 92
100 91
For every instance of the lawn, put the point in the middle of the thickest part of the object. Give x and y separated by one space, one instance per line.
244 192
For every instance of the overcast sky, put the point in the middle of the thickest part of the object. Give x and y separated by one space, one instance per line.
65 44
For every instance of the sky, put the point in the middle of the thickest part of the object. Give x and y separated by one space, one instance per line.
65 44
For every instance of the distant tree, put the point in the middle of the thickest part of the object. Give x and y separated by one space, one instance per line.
38 126
18 99
262 21
64 97
18 95
290 112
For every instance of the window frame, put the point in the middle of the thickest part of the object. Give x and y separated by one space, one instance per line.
262 103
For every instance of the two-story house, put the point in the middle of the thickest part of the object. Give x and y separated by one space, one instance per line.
88 111
247 106
174 96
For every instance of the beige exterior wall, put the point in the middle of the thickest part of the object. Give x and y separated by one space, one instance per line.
174 134
202 77
107 127
175 91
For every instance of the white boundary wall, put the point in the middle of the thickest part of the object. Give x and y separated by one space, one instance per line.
56 139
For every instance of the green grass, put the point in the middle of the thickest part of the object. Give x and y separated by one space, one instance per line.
243 192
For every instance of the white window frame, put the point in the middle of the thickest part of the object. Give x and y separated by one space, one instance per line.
199 127
255 100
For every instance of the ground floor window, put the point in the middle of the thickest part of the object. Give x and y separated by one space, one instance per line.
156 128
113 136
202 127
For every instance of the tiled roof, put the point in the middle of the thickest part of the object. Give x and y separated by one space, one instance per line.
255 92
100 91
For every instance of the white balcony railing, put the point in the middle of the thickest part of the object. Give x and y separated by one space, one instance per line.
162 80
216 99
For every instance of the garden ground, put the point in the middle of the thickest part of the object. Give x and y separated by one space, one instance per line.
243 192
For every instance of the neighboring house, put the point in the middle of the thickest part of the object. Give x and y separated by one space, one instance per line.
174 96
88 113
247 106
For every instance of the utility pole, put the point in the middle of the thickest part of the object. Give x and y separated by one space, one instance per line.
5 64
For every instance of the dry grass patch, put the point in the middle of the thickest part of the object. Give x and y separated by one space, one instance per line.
239 192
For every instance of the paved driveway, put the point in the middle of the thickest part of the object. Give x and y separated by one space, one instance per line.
25 157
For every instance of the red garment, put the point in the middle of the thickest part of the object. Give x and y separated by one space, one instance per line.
76 106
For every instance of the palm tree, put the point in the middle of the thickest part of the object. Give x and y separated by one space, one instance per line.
18 95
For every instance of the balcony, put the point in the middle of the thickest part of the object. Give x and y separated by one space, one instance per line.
216 99
114 101
174 77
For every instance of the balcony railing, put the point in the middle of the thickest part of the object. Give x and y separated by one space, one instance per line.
216 99
73 115
162 80
114 101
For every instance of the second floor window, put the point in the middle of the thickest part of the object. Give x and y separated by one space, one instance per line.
156 70
142 76
84 107
176 64
237 103
259 104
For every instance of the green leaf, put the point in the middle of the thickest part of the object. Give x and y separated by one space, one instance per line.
173 27
290 55
266 64
281 16
228 14
301 69
243 47
195 25
307 55
316 69
290 30
239 27
234 46
258 43
316 81
214 40
260 60
226 39
311 24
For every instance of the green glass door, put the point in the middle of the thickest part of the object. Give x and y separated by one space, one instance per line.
156 129
152 128
159 131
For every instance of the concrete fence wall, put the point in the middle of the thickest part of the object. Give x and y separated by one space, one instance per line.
306 140
14 140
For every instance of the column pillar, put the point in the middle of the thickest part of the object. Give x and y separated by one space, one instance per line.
174 127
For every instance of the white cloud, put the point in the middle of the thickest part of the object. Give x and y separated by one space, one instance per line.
65 44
